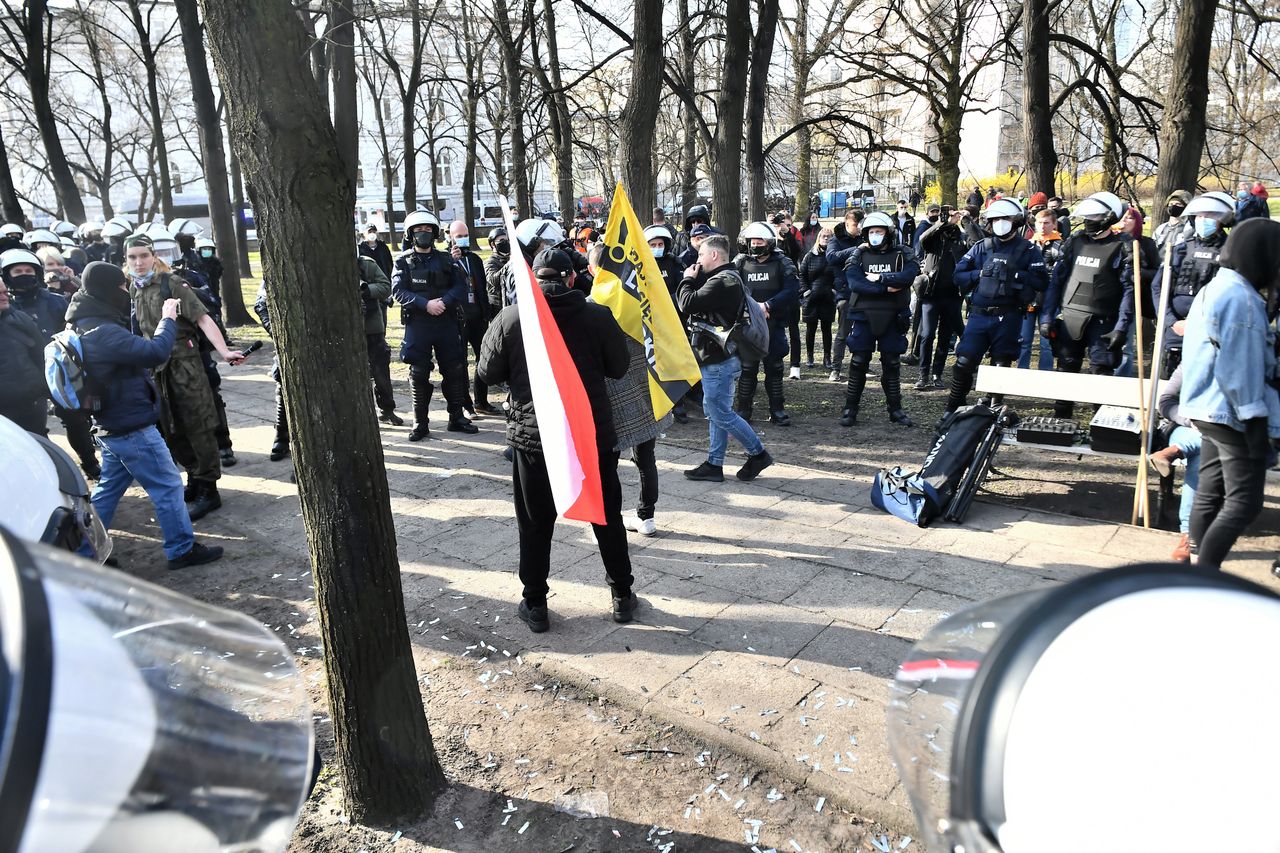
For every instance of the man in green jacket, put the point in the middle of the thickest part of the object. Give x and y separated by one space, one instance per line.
375 290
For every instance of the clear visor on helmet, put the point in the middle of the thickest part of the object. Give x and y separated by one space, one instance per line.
171 724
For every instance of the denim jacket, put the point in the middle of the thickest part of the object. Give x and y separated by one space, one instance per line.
1228 353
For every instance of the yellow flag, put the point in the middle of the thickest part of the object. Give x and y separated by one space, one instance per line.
630 284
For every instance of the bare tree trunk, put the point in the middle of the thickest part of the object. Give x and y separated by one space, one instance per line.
689 149
1182 133
37 21
343 67
409 110
237 200
148 53
302 196
10 207
511 51
1041 158
726 174
215 159
761 59
640 116
471 109
561 121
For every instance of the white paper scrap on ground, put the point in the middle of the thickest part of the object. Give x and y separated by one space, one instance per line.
583 804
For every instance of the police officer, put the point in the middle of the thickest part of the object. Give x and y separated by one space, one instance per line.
532 236
476 311
211 264
11 237
95 248
185 232
877 289
1091 293
1001 275
1194 263
189 414
22 273
770 279
114 231
429 287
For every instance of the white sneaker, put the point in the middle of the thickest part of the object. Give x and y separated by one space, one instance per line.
835 376
643 526
795 373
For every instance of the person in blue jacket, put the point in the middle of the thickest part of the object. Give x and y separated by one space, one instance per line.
1001 276
877 288
128 407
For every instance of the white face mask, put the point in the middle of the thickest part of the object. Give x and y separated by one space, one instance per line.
1001 227
875 238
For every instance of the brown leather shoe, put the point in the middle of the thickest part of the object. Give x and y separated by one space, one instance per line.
1182 551
1162 460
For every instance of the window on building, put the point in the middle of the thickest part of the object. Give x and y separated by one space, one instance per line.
175 180
444 169
390 177
386 107
359 177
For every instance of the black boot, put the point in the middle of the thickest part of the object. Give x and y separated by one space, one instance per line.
961 382
454 387
205 501
853 391
420 387
280 447
746 393
891 382
773 386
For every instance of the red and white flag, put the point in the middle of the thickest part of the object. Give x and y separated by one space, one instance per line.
565 423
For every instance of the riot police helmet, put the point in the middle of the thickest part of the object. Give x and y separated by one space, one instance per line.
89 230
658 232
117 227
1216 205
1099 212
1004 217
418 219
62 228
533 232
11 258
185 226
878 220
10 229
758 231
42 237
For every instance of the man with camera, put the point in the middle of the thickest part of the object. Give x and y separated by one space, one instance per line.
942 245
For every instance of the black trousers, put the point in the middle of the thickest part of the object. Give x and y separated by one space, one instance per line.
1233 474
473 330
536 519
647 464
793 335
380 371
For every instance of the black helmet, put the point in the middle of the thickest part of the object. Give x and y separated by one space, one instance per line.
698 211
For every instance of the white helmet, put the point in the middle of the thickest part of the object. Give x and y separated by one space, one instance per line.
657 232
1003 714
185 226
41 236
1003 208
758 231
13 257
117 227
86 230
1216 205
205 243
163 243
10 229
62 228
1100 211
528 231
68 243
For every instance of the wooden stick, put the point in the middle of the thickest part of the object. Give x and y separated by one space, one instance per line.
1141 491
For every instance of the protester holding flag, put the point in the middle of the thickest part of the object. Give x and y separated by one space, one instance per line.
552 346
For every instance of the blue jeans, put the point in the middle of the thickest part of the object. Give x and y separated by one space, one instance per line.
718 382
142 455
1188 439
1126 368
1031 328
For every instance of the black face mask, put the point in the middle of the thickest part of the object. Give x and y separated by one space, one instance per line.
423 239
761 251
1175 210
933 217
502 246
22 283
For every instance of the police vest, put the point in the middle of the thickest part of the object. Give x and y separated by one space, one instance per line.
763 278
880 263
996 285
427 273
1199 265
1094 286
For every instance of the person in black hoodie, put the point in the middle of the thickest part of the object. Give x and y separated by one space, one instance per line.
23 392
942 245
845 237
817 287
120 365
598 348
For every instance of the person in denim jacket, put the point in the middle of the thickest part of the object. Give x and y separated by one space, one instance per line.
1230 377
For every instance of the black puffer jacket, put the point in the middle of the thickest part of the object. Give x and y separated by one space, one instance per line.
817 282
595 343
714 297
22 388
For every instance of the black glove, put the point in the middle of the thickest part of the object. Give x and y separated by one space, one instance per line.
1047 331
1114 340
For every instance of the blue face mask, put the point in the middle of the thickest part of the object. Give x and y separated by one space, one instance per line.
658 251
875 238
463 242
1242 194
1206 227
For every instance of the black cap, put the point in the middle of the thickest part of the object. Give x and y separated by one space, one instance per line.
552 265
702 230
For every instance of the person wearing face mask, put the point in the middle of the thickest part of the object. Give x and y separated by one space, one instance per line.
1248 205
1091 293
211 264
770 279
374 249
1230 378
476 312
1193 265
28 293
1048 240
932 214
1002 276
845 237
1172 231
942 245
430 288
129 407
817 287
190 414
877 287
905 222
499 254
789 244
809 231
23 393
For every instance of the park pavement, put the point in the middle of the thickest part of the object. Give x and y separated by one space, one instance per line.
773 613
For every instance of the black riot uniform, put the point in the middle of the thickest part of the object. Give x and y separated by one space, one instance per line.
425 278
770 279
1194 263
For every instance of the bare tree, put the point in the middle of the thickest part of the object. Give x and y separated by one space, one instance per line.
561 121
302 196
346 121
761 60
640 115
146 50
511 44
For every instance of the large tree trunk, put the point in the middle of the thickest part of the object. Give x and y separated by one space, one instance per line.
640 116
1039 153
37 74
147 50
10 207
215 160
1183 131
726 174
343 67
515 108
237 201
949 157
471 109
562 122
302 196
689 148
409 110
761 59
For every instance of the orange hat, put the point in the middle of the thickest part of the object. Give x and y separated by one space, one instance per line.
1037 201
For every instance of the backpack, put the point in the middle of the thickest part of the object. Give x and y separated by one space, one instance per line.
749 337
954 468
70 384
